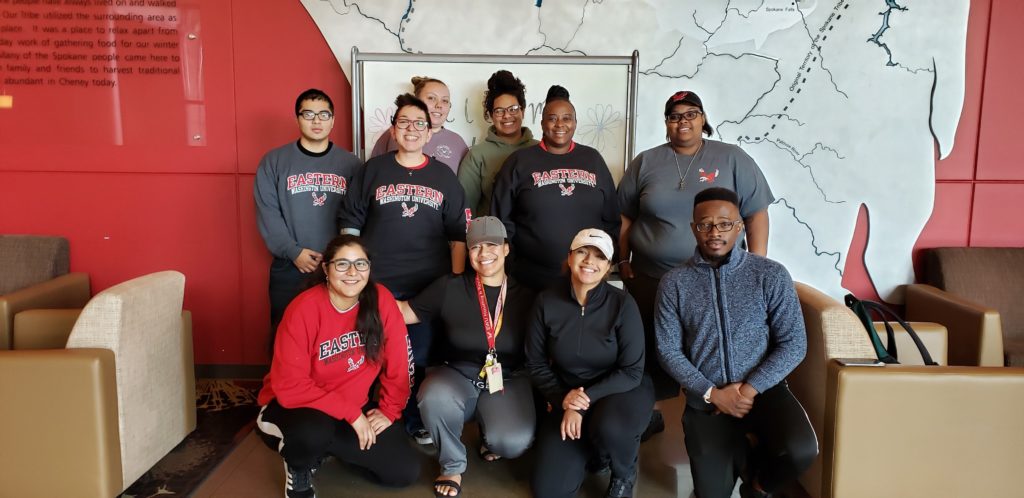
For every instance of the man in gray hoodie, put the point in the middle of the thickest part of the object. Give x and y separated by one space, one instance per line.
729 329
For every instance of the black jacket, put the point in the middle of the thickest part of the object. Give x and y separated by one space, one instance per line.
599 347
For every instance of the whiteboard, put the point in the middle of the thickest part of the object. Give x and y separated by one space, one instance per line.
602 89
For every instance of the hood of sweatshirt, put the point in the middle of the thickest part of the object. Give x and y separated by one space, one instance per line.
492 136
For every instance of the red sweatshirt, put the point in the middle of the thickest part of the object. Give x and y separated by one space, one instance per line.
319 359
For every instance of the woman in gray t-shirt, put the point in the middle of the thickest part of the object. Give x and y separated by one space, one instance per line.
656 199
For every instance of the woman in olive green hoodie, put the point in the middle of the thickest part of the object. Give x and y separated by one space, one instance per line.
504 103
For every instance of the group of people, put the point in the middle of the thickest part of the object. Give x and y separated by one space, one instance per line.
377 318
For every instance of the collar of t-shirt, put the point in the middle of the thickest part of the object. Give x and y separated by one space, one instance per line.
310 153
572 145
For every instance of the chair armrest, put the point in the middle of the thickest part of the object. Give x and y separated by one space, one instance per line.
59 423
190 370
923 431
975 333
66 291
933 335
43 328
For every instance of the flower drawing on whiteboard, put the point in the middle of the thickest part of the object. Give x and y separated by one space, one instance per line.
600 125
380 122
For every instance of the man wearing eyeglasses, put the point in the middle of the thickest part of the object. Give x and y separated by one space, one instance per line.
729 329
298 192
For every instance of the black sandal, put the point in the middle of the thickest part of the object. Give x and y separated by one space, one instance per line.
487 455
447 482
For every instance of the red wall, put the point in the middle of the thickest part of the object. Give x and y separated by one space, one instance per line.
135 194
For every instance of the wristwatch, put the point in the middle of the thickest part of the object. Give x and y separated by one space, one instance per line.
707 395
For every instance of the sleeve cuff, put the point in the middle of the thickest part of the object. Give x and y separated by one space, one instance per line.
293 252
759 382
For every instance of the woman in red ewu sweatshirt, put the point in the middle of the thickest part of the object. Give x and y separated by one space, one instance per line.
336 338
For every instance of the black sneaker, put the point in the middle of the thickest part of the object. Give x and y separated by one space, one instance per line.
298 483
422 436
620 488
598 465
656 425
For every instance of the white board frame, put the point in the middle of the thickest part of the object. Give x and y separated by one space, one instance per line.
631 63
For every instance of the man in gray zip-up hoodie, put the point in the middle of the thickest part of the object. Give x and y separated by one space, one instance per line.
729 329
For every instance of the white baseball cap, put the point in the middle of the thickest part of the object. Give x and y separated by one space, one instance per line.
595 238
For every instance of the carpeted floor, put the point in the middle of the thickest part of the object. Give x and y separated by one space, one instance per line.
226 414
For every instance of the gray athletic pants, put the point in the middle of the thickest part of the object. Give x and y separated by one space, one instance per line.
447 400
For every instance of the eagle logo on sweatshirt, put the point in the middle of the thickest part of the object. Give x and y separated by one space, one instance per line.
707 177
566 189
354 365
319 200
408 212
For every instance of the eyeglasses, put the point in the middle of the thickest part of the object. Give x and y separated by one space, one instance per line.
323 115
342 265
688 115
725 226
512 110
418 125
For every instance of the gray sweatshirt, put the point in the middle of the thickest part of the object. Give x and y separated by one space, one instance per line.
298 194
740 322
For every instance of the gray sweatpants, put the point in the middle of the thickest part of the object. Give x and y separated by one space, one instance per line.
447 400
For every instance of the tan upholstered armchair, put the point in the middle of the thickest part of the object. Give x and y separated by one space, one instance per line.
904 430
976 293
89 419
34 274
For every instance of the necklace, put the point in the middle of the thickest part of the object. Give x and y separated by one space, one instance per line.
682 176
338 309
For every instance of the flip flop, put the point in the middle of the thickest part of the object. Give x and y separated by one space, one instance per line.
447 482
487 455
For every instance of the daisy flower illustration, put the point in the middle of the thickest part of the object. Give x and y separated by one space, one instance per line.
601 122
380 122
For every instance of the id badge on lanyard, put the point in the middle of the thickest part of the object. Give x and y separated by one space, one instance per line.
491 370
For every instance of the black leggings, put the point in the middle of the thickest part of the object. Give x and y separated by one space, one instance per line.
611 432
285 282
720 446
303 436
644 290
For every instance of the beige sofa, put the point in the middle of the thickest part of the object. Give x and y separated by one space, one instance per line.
904 430
88 419
34 274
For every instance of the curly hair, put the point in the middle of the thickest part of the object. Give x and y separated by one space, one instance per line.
503 83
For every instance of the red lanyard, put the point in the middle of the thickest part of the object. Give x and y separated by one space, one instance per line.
492 325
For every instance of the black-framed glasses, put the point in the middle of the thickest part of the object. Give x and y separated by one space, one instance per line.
418 125
512 110
676 117
323 115
342 265
725 226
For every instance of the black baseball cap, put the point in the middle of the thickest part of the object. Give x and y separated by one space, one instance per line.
687 97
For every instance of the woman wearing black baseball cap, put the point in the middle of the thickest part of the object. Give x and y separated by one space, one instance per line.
656 235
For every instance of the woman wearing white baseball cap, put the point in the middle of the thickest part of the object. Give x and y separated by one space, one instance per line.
585 354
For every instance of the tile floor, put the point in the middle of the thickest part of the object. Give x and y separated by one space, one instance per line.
254 471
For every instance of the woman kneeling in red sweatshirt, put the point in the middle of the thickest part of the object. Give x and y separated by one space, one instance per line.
335 339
